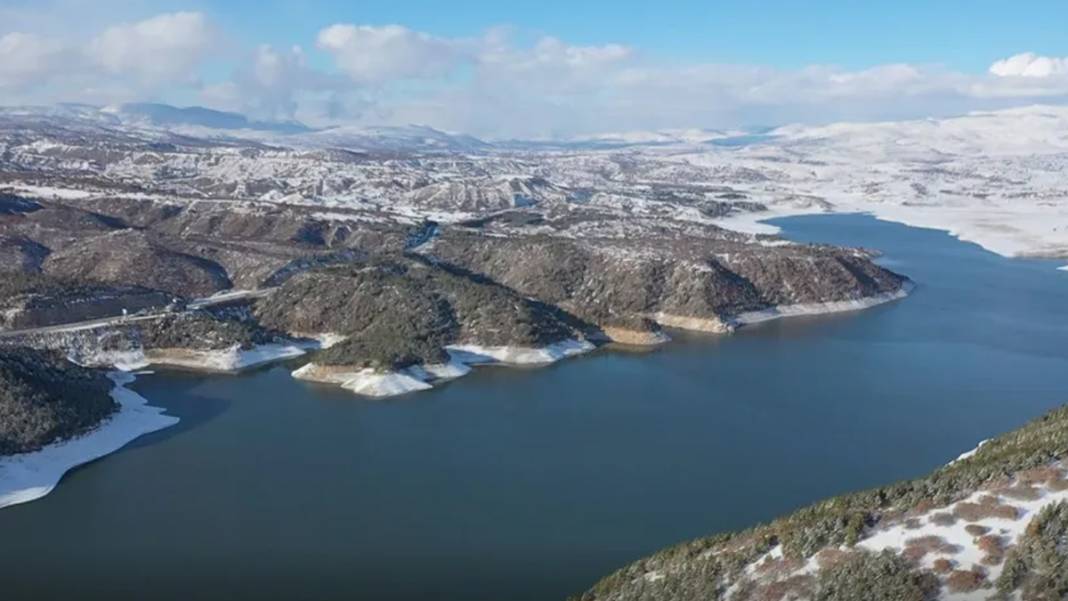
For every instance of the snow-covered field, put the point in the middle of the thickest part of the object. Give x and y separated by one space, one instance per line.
997 179
29 476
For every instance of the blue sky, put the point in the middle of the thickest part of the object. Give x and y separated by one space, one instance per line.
541 68
966 35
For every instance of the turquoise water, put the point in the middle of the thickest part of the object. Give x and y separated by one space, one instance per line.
516 484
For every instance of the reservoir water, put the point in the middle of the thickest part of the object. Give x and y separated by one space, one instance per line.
516 484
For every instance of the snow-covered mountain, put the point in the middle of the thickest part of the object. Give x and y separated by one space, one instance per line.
388 139
164 116
996 178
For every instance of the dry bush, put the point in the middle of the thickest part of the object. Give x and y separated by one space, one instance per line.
1058 484
943 518
976 529
781 565
1040 475
922 507
828 558
917 548
913 524
993 546
1021 492
795 587
943 565
984 509
965 581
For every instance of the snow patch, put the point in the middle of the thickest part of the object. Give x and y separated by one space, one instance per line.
227 360
969 454
29 476
753 317
376 384
51 192
474 354
128 360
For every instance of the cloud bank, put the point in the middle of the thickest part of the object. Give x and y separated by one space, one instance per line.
491 85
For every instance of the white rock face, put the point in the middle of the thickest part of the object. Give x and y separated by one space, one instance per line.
29 476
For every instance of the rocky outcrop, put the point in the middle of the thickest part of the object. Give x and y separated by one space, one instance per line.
45 398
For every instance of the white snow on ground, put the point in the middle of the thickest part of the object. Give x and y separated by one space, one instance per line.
29 476
951 539
50 192
995 179
966 553
474 354
232 359
368 382
372 383
968 454
753 317
131 360
328 340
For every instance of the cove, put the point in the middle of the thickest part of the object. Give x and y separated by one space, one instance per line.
530 484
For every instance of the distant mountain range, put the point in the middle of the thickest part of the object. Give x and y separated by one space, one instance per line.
206 123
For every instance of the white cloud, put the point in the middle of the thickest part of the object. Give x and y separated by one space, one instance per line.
495 85
1029 64
164 48
273 83
28 59
370 54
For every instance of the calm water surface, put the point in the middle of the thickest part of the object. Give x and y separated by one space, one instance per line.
513 485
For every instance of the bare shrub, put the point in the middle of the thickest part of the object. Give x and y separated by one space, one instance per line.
830 557
985 509
1021 492
917 548
993 547
965 581
1040 475
943 565
1058 484
795 587
976 529
942 518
